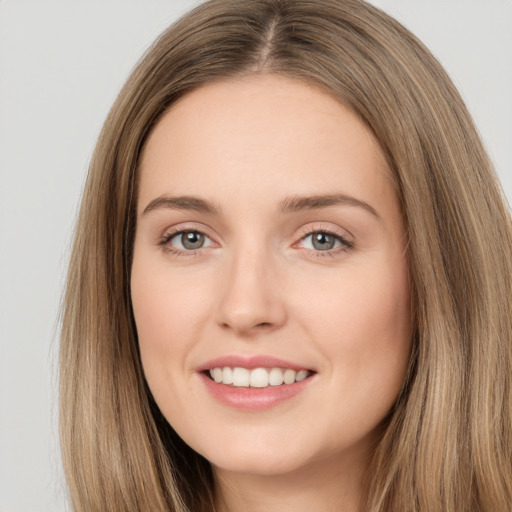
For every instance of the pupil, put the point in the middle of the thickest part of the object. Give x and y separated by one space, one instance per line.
192 240
323 241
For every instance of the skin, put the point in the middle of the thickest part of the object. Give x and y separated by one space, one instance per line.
259 285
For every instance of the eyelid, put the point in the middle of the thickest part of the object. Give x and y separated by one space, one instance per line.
173 231
319 227
185 227
208 241
346 239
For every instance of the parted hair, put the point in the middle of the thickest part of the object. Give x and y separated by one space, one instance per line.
446 445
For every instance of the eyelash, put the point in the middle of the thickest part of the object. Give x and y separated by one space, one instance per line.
345 245
164 242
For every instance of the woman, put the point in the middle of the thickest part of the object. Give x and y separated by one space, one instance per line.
290 285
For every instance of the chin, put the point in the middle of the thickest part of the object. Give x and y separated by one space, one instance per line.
258 464
256 456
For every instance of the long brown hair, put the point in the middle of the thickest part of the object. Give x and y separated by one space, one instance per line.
447 443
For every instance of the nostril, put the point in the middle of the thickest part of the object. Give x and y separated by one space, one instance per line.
246 327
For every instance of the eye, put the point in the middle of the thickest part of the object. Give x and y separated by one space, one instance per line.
324 241
187 241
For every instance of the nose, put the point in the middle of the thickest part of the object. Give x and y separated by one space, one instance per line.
251 298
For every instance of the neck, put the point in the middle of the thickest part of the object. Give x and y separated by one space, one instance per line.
322 485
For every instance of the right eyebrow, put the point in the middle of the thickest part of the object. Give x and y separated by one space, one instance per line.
298 203
181 203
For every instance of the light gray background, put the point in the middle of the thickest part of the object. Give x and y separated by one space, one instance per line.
61 66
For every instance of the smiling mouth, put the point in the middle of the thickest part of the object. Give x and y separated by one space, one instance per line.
257 377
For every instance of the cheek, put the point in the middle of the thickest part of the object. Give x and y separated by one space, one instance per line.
165 321
361 322
162 310
166 303
171 310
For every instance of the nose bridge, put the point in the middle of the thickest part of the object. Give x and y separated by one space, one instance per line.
250 298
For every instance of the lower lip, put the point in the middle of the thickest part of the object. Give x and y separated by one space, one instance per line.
253 399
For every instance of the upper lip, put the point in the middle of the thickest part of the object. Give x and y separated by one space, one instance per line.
250 362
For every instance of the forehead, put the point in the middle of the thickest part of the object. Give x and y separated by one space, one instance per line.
264 135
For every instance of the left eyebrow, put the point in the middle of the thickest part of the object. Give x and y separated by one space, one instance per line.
298 203
181 203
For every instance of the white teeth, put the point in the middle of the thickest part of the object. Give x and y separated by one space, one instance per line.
240 377
217 374
227 376
289 376
301 375
258 377
275 377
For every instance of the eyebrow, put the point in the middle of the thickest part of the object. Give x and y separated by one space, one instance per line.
288 205
300 203
182 203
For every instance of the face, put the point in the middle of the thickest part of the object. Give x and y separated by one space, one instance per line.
269 279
